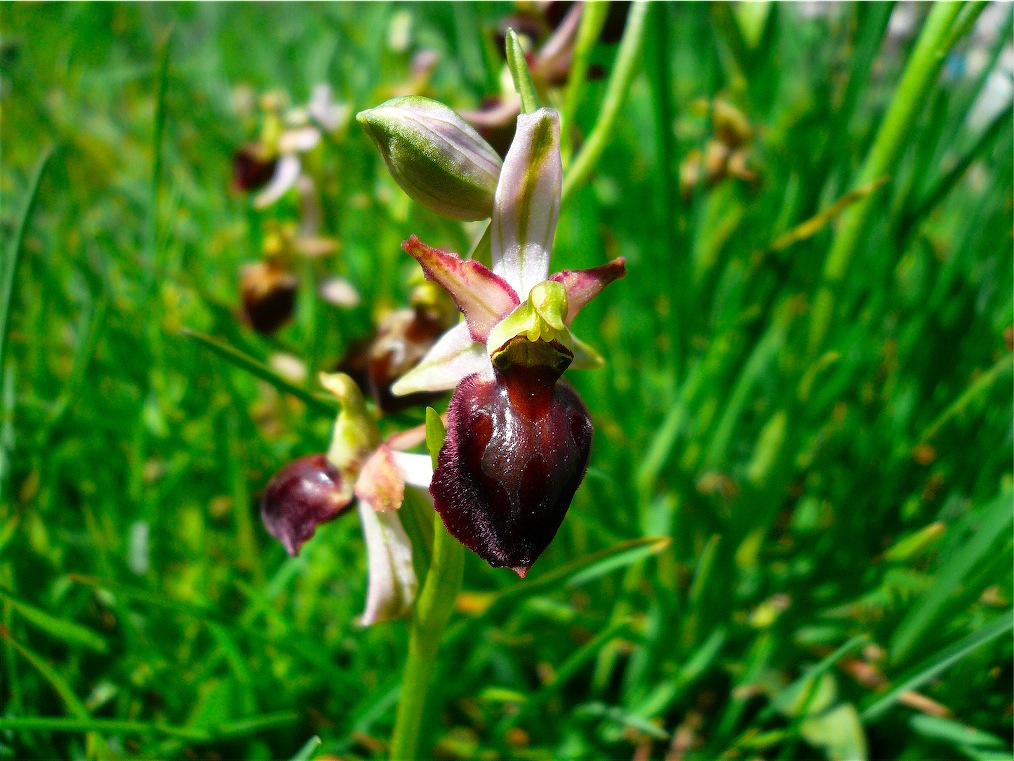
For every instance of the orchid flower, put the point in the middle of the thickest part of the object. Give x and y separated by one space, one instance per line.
273 165
358 469
518 439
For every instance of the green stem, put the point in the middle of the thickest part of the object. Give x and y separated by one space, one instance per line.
892 137
520 74
593 18
432 611
625 69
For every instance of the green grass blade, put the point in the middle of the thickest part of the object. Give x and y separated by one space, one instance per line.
318 402
628 61
60 685
13 259
946 591
937 663
63 630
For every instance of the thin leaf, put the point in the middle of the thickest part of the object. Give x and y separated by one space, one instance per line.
946 590
938 662
822 219
319 402
61 629
573 574
60 685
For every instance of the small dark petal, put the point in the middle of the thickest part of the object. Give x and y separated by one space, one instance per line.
517 449
301 496
249 170
399 347
269 296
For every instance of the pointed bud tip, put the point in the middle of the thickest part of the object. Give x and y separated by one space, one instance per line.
522 570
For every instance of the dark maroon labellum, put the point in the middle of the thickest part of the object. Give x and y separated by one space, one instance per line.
269 296
301 496
249 170
517 449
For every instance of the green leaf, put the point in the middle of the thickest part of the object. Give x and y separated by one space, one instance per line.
946 591
953 732
938 662
309 748
838 732
435 434
319 402
61 629
520 74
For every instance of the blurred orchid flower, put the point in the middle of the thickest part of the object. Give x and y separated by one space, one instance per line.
518 440
272 165
359 469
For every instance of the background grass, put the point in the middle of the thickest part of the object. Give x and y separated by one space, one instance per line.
838 579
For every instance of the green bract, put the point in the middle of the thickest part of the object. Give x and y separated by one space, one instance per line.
435 156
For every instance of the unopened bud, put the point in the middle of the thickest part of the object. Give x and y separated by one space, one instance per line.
435 156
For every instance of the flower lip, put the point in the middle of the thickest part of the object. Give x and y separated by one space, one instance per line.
510 466
302 495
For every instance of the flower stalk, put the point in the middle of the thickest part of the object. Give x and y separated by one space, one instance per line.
432 611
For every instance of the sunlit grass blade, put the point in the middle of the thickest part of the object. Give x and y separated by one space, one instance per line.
572 574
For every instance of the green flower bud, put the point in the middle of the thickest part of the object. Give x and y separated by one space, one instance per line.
435 156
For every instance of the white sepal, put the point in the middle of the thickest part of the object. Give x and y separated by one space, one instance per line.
453 357
392 584
415 469
527 202
286 173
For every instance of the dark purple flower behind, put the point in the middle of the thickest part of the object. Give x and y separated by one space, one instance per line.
302 495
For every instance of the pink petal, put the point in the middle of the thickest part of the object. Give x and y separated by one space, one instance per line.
584 285
483 297
380 483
